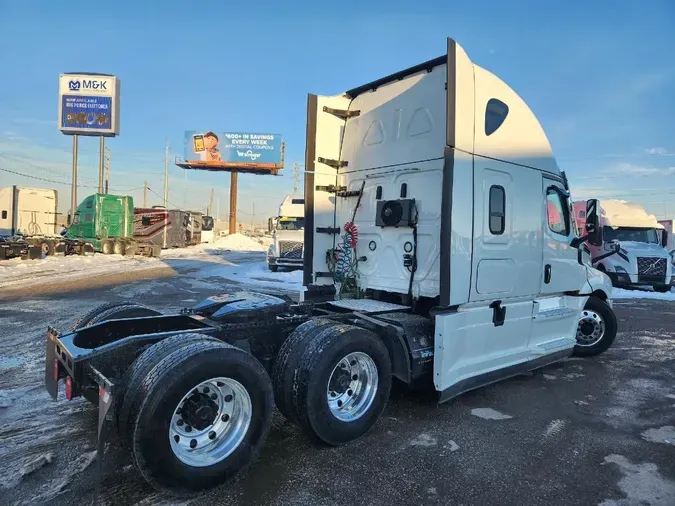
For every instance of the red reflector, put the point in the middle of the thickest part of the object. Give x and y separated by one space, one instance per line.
69 388
56 370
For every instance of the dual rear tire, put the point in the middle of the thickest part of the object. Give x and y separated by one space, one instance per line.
333 380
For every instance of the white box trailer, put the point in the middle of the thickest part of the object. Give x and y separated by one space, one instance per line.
668 226
28 211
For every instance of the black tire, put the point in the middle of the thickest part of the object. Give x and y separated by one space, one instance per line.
605 313
84 320
163 388
125 311
119 248
661 288
48 248
141 367
107 247
288 360
130 250
322 354
273 268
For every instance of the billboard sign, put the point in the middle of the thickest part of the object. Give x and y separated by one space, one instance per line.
89 104
228 150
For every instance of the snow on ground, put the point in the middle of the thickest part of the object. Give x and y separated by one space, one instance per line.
234 242
236 257
17 272
622 293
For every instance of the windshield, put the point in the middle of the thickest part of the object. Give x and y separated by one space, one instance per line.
291 223
635 234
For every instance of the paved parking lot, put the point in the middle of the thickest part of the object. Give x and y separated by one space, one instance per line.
586 431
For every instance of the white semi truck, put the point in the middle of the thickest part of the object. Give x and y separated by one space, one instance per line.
430 255
287 229
642 259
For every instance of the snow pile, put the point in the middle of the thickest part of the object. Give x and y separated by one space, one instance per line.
621 293
234 242
17 273
238 242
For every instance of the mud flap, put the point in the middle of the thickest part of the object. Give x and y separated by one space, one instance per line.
51 384
105 402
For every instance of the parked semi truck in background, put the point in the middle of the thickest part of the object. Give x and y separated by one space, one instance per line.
426 193
287 229
643 259
107 223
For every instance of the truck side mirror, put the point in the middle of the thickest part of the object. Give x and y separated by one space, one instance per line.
593 230
664 238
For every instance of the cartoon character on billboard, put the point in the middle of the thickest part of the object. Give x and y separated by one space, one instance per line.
207 147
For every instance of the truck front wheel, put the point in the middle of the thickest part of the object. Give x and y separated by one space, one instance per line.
273 268
204 413
342 384
596 329
661 288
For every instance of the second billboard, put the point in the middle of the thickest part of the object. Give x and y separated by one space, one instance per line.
228 150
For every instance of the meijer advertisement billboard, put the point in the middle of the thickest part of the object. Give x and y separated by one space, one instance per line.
89 104
227 150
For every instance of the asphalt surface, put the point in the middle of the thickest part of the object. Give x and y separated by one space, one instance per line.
582 432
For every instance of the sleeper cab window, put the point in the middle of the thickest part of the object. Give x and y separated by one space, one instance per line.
89 204
497 210
495 114
555 213
4 215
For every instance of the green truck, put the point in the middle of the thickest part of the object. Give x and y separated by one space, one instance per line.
107 223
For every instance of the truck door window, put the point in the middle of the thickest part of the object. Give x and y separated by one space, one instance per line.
497 210
4 215
556 212
88 218
145 221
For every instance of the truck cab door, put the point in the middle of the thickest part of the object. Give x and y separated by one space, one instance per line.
555 313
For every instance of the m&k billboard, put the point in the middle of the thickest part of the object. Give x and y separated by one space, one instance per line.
89 104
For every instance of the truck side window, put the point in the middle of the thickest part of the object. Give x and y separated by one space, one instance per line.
497 210
4 215
556 213
89 204
495 114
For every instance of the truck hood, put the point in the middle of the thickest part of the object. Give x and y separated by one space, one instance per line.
644 249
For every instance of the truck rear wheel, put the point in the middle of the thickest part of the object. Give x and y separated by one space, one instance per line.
107 247
141 367
111 310
119 248
48 248
156 251
204 413
342 384
288 361
596 329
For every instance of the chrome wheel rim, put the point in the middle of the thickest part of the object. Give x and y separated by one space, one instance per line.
591 329
210 422
352 386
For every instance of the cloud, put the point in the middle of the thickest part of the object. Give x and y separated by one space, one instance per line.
658 151
633 169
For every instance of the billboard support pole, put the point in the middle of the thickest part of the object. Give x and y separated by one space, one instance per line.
101 155
73 191
233 202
